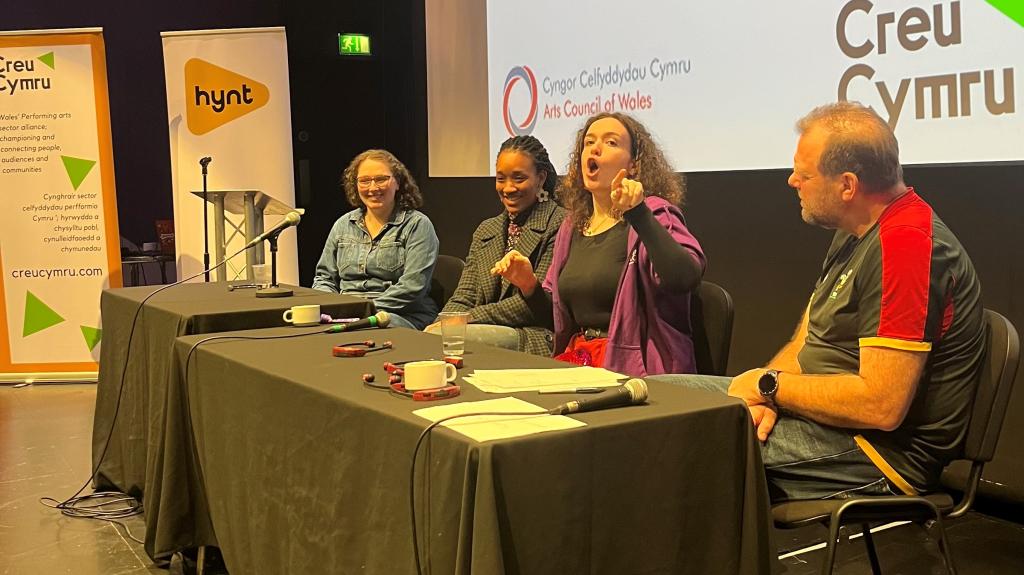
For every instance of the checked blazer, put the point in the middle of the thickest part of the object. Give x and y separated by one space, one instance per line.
491 299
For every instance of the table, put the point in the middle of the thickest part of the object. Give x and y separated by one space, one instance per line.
307 471
135 264
135 458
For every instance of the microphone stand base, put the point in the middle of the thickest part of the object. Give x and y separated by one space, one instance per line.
274 292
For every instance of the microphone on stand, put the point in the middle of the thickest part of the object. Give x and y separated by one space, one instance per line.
205 161
380 319
291 219
633 392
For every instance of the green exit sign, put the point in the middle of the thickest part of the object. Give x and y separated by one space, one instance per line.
353 44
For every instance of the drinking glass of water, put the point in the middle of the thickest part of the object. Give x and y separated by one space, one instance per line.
453 332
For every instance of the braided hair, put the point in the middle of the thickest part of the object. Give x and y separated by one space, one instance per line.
538 153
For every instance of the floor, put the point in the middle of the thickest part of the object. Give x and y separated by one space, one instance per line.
45 433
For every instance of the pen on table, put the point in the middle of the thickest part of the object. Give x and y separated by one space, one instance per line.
572 390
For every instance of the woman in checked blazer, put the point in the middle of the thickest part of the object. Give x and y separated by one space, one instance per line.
498 314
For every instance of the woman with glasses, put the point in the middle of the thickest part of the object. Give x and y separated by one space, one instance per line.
384 249
624 262
498 314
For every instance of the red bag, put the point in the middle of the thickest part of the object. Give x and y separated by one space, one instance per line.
583 351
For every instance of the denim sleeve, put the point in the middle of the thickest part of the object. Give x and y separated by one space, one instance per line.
421 247
327 277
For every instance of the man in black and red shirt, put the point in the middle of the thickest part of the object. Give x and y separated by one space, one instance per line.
872 394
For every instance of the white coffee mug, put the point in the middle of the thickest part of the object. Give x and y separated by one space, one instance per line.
303 315
429 374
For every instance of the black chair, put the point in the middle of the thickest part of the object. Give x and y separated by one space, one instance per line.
447 272
711 316
990 401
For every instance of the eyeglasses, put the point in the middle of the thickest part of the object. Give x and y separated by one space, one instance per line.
368 182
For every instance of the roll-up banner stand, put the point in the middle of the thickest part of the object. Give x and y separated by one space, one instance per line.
59 245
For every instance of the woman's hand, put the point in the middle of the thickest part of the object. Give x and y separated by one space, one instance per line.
517 269
626 193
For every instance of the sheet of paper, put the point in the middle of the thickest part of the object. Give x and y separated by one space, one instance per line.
514 380
490 427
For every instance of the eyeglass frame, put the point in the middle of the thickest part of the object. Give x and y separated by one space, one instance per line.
368 184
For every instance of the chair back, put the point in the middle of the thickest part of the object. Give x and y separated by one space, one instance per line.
711 317
447 272
1002 353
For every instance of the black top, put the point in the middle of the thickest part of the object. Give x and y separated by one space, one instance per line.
675 265
590 279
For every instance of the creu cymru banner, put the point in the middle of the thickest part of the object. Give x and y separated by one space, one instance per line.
58 219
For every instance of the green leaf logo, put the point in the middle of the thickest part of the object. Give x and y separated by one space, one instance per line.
92 336
38 315
47 59
1012 8
77 169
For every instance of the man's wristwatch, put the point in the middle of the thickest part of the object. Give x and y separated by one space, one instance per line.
768 384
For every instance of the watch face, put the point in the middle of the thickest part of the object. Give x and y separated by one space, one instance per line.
768 383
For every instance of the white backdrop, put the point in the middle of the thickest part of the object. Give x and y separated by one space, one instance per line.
247 133
721 83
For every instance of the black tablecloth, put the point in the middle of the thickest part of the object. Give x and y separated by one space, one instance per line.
134 459
307 471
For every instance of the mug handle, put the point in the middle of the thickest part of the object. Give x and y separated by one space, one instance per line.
450 373
287 315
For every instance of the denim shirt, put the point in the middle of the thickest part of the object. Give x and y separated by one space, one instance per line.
393 269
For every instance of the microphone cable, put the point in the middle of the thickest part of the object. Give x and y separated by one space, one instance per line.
412 467
97 505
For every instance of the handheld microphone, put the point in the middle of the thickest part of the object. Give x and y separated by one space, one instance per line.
380 319
633 392
292 219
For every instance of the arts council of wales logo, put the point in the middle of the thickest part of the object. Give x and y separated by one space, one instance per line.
525 127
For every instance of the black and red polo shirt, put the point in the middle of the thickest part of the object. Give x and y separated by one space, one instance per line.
906 284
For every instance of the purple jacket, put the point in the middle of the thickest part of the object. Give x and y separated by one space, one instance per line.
649 332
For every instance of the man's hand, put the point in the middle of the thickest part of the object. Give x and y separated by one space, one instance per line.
744 386
764 417
517 269
763 413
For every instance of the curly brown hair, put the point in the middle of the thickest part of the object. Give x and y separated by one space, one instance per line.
407 196
651 169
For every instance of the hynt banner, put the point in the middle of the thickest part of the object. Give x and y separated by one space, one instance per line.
228 99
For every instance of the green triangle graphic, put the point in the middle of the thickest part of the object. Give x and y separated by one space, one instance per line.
47 59
38 315
1012 8
92 336
77 169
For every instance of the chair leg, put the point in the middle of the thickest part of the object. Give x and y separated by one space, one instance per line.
947 556
869 542
201 560
830 548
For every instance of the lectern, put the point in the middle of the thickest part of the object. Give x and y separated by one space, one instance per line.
252 205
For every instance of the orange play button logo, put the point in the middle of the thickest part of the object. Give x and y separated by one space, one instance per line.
215 96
